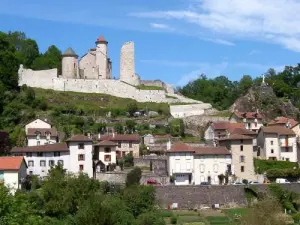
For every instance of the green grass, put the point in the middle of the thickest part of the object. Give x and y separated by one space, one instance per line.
91 103
218 220
169 96
262 166
191 139
144 87
238 211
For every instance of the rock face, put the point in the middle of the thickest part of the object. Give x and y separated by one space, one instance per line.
266 102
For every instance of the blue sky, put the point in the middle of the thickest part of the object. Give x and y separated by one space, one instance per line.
175 40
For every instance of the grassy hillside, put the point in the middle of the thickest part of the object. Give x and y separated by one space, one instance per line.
94 104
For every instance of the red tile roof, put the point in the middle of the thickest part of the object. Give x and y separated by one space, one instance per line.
248 115
59 147
226 125
243 131
11 162
181 147
282 121
43 131
101 39
106 143
121 137
278 130
79 137
211 151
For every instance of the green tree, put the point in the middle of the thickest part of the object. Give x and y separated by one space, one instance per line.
132 108
133 177
119 128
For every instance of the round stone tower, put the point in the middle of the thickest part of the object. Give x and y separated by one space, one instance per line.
102 58
70 64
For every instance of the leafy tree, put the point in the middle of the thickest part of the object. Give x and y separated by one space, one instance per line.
130 126
132 108
134 176
119 128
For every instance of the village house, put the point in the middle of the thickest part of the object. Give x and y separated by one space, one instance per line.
288 123
277 143
104 155
251 120
12 172
39 132
126 143
241 149
157 144
75 156
194 165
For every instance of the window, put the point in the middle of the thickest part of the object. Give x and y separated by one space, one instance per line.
107 158
249 125
177 156
242 158
30 173
242 168
60 162
242 141
42 163
40 154
38 143
81 168
107 150
272 150
188 166
30 163
38 135
81 146
80 157
202 168
216 168
187 156
271 142
119 144
130 144
287 159
56 154
242 148
29 154
51 162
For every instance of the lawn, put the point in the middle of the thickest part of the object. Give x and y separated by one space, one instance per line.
144 87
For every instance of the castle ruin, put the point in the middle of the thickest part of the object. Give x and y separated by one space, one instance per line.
92 73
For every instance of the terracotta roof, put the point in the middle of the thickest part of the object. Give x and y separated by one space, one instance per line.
101 39
243 131
211 151
278 130
43 131
226 125
121 137
282 121
106 143
181 147
58 147
11 162
236 137
248 115
79 137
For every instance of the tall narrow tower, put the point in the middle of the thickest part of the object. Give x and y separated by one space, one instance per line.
70 64
101 57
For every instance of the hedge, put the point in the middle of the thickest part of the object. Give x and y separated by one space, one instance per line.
262 166
278 173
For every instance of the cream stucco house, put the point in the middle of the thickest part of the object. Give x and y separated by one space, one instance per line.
241 149
126 143
104 155
251 120
193 165
12 171
277 143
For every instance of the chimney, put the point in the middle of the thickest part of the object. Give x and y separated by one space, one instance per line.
99 136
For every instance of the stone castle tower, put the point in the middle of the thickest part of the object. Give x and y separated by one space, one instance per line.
70 64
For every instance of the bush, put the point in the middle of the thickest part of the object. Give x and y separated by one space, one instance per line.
245 181
278 173
262 166
133 177
174 219
296 217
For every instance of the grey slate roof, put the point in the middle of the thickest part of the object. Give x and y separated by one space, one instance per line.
70 52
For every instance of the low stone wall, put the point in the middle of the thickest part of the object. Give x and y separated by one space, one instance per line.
164 180
112 177
189 197
159 165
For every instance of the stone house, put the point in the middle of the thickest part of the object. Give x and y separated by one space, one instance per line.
40 132
277 143
104 155
12 172
126 143
75 156
157 143
251 120
193 165
241 149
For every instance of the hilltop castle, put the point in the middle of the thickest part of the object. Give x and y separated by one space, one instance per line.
96 65
92 73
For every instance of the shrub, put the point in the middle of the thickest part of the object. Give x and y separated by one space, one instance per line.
276 173
296 217
133 177
245 181
174 219
262 166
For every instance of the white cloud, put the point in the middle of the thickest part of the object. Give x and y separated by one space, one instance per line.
161 26
266 20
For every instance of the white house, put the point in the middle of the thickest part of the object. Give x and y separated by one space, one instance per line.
41 158
277 143
38 123
251 120
81 154
216 130
12 171
104 155
193 165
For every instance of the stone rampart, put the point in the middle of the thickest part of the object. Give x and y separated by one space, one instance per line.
198 196
157 83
